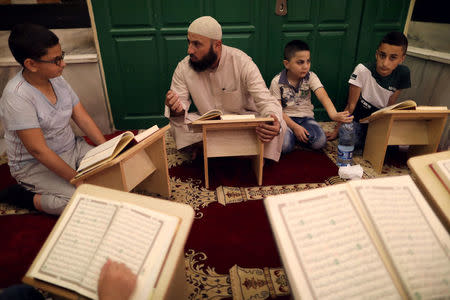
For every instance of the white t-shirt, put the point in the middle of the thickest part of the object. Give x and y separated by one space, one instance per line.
376 89
22 106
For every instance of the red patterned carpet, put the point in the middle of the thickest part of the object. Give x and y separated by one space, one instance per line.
300 166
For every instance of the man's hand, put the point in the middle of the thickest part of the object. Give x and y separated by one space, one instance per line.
301 133
343 117
266 132
116 281
174 103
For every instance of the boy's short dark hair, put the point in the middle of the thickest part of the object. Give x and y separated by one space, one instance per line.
30 41
395 38
294 46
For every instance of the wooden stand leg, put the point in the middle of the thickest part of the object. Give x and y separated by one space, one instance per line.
232 140
205 157
258 163
376 143
435 127
158 182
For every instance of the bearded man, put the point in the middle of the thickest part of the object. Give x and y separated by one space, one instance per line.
215 76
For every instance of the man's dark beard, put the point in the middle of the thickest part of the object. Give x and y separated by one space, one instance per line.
205 63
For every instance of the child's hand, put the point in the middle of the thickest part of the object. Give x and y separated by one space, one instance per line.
332 135
301 133
343 117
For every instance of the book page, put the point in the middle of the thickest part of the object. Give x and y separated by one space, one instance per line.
326 250
237 117
100 152
441 169
416 241
407 104
146 133
429 107
444 165
97 229
213 113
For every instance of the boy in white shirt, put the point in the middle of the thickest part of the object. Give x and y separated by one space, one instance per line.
376 84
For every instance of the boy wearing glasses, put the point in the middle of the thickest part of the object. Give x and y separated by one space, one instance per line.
36 107
376 85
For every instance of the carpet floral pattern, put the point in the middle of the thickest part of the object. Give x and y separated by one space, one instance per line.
239 283
388 169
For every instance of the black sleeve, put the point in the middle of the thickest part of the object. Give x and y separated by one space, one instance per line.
363 109
404 78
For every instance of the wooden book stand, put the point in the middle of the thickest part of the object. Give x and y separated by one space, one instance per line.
143 166
233 138
420 129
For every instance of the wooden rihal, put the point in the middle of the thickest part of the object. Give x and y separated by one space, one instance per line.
437 195
233 138
171 283
421 130
143 166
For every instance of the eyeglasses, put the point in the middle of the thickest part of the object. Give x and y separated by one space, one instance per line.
57 60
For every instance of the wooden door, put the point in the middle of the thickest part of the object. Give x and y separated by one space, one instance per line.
142 41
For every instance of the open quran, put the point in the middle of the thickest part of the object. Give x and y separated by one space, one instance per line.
95 227
107 151
366 239
441 169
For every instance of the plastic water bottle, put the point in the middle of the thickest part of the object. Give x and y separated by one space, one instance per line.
346 145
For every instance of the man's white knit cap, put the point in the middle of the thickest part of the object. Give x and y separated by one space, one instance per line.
206 26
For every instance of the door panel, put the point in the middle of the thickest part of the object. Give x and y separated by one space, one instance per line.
133 54
299 11
233 11
331 44
175 12
138 14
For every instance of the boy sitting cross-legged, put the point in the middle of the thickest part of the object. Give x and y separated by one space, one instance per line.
36 107
292 87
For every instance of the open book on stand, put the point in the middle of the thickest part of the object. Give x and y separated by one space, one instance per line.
146 234
110 149
408 105
217 114
375 238
404 105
